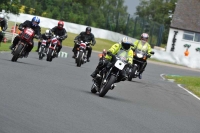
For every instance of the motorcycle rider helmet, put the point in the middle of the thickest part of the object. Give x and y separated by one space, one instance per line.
35 21
144 36
2 17
88 30
47 33
126 43
60 24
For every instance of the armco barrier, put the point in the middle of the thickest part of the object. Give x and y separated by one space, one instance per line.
192 62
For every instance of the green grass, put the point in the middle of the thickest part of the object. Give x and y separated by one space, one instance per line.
69 41
190 82
4 46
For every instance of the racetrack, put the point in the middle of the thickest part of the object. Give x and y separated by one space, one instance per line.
54 97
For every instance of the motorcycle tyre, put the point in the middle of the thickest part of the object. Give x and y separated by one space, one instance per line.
107 86
79 59
41 53
132 74
16 53
93 89
49 55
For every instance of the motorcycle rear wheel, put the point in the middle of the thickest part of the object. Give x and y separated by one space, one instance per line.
93 88
132 74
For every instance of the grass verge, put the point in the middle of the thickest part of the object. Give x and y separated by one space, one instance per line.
191 83
5 47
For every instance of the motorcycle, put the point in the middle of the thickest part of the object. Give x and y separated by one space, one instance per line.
139 60
43 48
81 56
19 51
104 81
53 48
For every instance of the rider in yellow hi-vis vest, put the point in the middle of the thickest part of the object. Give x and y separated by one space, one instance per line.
123 49
143 45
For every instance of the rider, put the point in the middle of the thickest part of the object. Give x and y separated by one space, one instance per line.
122 48
86 36
61 32
3 25
143 45
33 24
45 36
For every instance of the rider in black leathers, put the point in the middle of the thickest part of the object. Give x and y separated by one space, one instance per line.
34 24
86 36
3 25
61 32
45 36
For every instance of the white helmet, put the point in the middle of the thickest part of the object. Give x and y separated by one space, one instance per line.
144 36
2 17
47 33
126 42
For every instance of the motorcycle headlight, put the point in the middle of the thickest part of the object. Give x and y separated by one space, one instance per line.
139 55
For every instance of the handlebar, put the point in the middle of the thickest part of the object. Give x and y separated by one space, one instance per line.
36 36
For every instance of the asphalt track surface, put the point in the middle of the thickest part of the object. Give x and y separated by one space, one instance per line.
54 97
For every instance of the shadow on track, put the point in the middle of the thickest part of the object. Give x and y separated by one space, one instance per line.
108 97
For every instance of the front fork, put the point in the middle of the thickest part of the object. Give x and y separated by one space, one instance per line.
108 74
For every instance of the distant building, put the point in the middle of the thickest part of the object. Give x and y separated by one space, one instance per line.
185 28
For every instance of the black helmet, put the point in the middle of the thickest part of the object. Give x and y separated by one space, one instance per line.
88 29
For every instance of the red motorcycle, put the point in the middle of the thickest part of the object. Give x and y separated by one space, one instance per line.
53 48
81 56
26 38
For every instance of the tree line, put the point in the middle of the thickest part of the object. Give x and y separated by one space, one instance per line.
105 14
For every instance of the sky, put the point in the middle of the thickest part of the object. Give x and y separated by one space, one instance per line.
132 4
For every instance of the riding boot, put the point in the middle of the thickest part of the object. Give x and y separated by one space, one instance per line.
38 47
11 46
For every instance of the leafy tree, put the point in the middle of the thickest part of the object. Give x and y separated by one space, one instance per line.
10 6
105 14
157 11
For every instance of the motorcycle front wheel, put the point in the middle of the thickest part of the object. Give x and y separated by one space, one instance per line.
41 52
49 54
79 59
105 88
17 52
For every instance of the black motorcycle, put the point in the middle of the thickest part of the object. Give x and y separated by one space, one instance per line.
106 78
139 60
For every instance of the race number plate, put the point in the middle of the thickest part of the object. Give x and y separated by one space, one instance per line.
119 64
